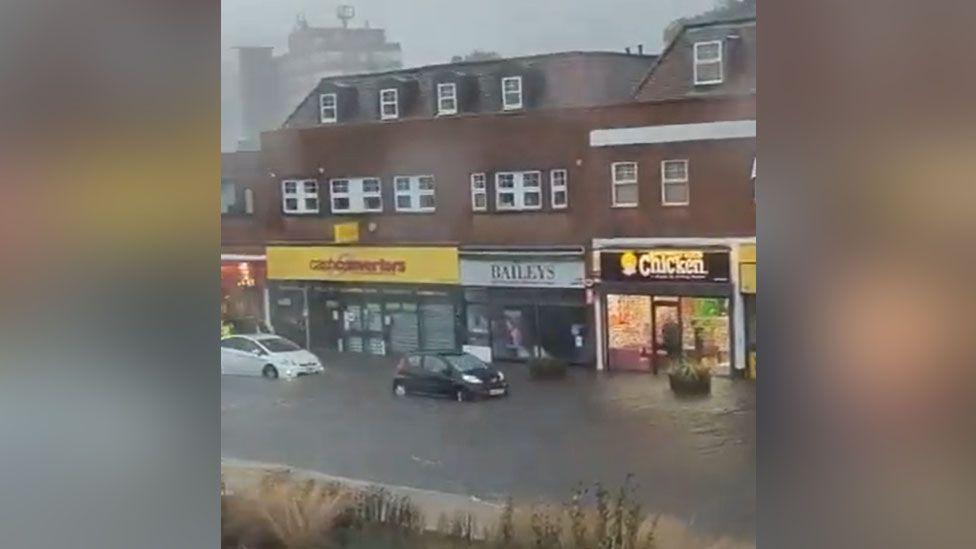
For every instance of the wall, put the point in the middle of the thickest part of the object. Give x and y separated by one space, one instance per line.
451 149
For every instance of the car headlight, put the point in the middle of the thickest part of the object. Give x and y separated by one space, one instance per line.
501 376
468 378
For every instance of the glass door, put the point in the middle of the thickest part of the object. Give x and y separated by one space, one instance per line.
667 331
373 328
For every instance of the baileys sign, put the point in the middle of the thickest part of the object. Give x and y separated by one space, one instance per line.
665 265
542 273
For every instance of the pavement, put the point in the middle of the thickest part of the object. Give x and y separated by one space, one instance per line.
693 458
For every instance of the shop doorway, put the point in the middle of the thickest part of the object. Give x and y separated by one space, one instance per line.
363 327
288 313
666 315
324 312
646 331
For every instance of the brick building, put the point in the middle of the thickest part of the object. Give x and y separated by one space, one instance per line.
486 196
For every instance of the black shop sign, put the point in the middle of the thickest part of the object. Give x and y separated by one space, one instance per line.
665 265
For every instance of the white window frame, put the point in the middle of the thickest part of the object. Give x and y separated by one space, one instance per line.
680 181
519 190
301 194
441 98
323 107
355 194
395 103
414 192
554 188
616 184
249 201
479 187
720 61
512 106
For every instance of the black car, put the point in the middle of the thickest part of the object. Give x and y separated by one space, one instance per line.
460 376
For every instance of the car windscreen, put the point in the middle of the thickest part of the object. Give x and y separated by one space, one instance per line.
279 345
465 363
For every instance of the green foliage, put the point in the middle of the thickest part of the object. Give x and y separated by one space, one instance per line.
690 370
506 523
547 368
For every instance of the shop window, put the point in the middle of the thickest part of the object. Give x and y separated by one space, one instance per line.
447 98
624 176
708 62
356 195
518 191
513 332
559 187
479 193
512 93
674 183
629 331
414 193
300 196
479 332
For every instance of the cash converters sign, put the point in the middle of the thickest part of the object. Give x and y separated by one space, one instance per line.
425 265
665 265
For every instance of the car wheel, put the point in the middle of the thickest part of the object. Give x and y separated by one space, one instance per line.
399 389
270 372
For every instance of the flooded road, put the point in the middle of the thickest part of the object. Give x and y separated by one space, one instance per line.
694 457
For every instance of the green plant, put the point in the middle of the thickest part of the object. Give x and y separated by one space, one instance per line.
577 516
690 370
506 523
546 528
547 368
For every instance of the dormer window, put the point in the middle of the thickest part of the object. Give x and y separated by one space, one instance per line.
328 108
511 93
708 62
389 104
447 98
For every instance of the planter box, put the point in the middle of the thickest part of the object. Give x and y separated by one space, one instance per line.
685 386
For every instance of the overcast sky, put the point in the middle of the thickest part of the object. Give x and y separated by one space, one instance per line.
431 31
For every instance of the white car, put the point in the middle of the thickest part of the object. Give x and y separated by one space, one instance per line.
266 355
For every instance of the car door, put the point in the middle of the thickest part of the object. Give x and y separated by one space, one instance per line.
253 358
437 378
413 373
232 355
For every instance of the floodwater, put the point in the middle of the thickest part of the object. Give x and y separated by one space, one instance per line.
691 457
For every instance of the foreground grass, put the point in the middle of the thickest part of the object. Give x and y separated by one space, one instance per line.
282 512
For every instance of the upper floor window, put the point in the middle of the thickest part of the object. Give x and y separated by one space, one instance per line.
708 62
356 195
518 190
624 184
479 192
559 187
414 193
328 108
389 104
233 201
300 196
447 98
674 183
512 92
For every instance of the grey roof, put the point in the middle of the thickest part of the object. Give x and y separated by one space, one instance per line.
612 78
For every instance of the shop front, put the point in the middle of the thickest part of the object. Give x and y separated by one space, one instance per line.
523 304
243 279
661 305
375 300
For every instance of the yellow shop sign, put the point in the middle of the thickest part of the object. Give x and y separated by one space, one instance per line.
425 265
747 268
